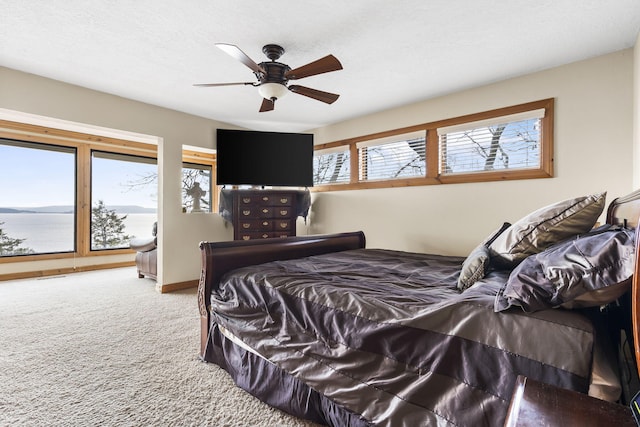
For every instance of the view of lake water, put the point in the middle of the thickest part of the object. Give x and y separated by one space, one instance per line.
53 232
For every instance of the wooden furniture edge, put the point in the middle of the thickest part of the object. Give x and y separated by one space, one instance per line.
221 257
538 404
624 211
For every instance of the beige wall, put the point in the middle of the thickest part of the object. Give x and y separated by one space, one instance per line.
593 152
179 234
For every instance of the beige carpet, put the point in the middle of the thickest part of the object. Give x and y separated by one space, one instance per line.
104 348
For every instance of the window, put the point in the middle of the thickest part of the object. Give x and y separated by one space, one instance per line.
198 167
196 187
56 179
508 143
331 166
38 201
123 198
398 156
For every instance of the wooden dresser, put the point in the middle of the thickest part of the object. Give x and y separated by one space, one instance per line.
262 214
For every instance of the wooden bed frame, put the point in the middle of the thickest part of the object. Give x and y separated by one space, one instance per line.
626 211
221 257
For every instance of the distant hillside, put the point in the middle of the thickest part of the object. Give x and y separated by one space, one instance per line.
44 209
10 210
120 209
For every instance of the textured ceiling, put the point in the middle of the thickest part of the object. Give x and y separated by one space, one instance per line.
393 53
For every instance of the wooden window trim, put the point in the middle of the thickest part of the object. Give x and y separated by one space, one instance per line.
432 176
83 143
206 159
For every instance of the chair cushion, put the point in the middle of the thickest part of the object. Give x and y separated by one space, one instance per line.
143 244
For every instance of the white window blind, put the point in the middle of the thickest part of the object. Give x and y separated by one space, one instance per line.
331 166
494 121
393 157
500 143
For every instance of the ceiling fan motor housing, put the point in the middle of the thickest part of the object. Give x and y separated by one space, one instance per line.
275 72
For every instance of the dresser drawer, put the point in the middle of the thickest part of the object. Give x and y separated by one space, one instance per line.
282 212
255 225
262 235
248 212
280 225
276 199
265 212
274 212
252 235
266 199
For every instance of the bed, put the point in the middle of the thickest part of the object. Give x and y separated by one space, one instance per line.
343 335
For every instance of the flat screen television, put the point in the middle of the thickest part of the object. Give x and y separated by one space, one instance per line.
264 158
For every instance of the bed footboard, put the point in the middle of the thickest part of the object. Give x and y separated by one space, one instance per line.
221 257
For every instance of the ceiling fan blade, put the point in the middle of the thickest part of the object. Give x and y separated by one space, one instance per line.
322 65
222 84
238 54
327 97
267 105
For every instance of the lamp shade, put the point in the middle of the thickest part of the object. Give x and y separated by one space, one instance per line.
272 90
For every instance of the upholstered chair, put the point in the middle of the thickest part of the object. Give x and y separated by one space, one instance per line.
147 254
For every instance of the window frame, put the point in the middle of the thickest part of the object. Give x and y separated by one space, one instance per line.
339 149
208 159
432 150
117 156
83 144
385 143
61 148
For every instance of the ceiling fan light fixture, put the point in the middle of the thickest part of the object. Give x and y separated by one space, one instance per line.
272 90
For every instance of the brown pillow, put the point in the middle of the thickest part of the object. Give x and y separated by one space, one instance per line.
545 227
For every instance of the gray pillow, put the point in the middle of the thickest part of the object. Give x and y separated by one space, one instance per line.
476 265
545 227
590 270
474 268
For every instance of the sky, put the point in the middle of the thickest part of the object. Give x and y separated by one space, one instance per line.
33 178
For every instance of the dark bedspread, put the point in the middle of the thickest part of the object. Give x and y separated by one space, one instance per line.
387 336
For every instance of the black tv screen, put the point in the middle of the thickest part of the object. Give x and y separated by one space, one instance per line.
264 158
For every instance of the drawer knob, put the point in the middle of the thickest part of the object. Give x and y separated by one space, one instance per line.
245 225
284 200
246 237
265 211
264 236
246 200
283 225
265 223
246 213
265 199
284 213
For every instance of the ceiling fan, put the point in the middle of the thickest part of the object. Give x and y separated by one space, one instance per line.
273 76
